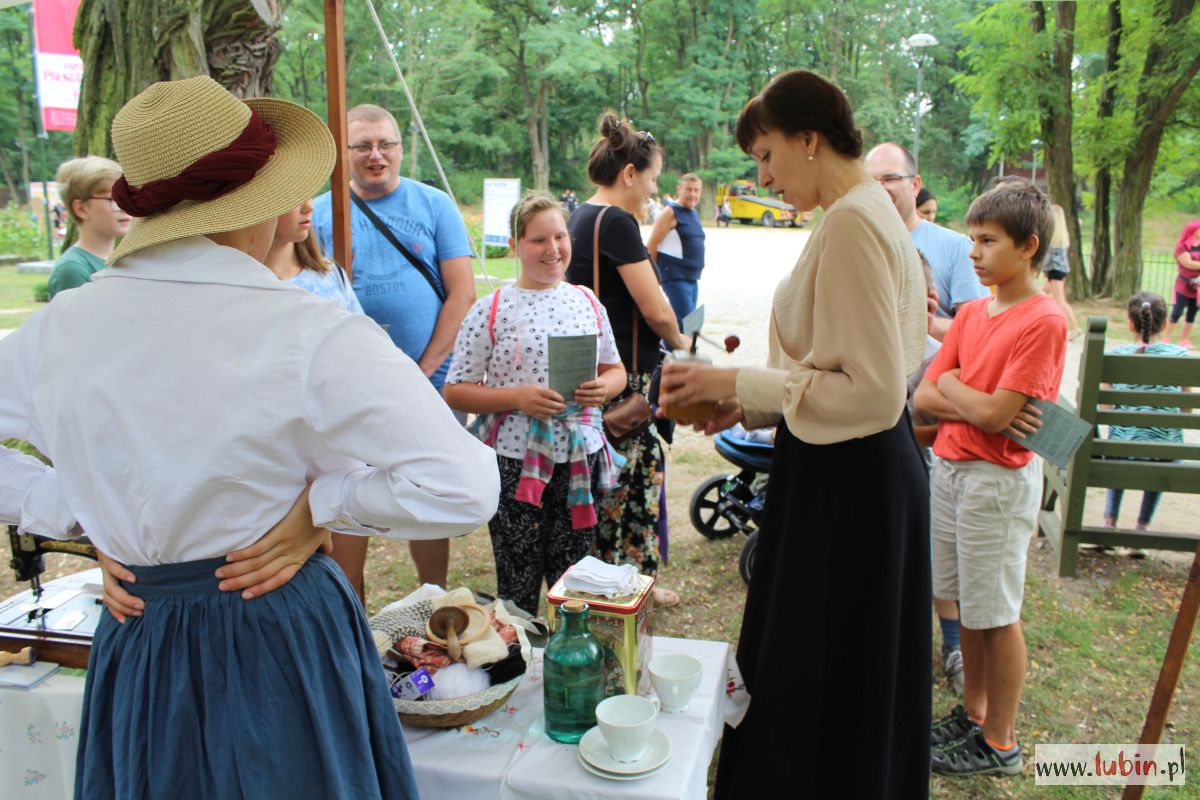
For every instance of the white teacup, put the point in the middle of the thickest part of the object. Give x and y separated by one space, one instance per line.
626 722
675 678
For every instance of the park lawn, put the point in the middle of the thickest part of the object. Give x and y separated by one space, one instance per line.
1095 642
502 271
16 295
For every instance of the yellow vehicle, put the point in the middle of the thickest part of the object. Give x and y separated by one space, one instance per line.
747 207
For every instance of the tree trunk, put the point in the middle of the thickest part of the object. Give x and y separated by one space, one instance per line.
128 44
1102 211
835 44
11 184
1131 199
23 107
1171 64
1056 131
414 148
536 122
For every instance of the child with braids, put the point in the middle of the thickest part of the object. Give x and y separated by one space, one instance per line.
1147 318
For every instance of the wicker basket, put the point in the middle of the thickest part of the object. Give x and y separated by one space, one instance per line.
451 713
457 711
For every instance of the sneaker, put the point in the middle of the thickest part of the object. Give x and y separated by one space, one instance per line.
952 666
972 755
952 727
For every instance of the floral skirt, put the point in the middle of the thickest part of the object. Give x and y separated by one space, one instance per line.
627 531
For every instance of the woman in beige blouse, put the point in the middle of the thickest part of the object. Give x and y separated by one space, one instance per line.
835 641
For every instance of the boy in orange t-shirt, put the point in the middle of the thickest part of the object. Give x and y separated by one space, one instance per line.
999 353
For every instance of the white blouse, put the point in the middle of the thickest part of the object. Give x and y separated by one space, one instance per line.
519 356
187 395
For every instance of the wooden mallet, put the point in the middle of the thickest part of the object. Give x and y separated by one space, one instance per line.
24 658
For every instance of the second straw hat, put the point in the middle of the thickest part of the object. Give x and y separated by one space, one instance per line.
172 124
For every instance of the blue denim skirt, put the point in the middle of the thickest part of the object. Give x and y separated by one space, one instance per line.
207 695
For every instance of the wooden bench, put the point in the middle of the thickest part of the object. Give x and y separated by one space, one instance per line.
1100 462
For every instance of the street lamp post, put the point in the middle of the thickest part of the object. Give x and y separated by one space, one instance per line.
1036 143
917 41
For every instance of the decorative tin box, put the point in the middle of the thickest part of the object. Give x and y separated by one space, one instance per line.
622 624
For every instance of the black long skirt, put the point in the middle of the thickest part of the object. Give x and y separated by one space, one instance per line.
835 641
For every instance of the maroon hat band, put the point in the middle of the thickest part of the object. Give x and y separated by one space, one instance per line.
207 178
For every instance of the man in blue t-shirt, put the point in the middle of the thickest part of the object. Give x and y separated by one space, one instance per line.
397 294
947 252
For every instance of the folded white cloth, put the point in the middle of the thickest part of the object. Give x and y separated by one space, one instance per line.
593 576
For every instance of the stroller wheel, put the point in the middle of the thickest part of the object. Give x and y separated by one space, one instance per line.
711 514
746 560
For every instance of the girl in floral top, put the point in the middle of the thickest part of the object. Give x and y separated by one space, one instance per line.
552 454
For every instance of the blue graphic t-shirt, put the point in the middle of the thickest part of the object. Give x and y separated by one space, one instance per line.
331 285
390 289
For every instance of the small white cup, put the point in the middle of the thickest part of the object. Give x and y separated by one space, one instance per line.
675 678
626 722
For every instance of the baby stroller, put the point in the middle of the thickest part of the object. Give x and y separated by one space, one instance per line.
726 504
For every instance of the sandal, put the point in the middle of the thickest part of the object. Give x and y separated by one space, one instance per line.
665 598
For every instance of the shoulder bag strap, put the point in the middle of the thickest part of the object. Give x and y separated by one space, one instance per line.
595 308
596 284
492 316
420 265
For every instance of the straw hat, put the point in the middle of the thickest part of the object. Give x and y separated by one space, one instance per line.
172 124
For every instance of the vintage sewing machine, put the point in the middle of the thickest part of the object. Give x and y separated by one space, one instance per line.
28 551
57 619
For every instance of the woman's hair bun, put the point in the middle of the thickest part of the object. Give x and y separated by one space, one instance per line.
610 126
619 144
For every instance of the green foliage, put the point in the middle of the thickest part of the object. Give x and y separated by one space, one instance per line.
41 292
1009 76
953 201
20 233
23 157
726 165
24 447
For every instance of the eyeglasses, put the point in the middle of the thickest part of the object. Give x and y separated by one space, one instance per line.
646 136
112 204
887 180
365 148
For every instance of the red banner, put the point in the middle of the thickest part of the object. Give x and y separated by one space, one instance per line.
59 67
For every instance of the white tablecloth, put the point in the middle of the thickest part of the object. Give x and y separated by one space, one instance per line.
39 732
505 756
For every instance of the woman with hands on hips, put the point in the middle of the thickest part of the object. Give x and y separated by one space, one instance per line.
844 541
218 403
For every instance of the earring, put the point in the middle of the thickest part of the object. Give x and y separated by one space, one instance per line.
810 155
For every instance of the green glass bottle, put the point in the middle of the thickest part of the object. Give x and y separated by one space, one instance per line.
573 675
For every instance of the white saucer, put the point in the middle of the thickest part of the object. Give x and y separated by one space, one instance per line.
612 776
593 751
